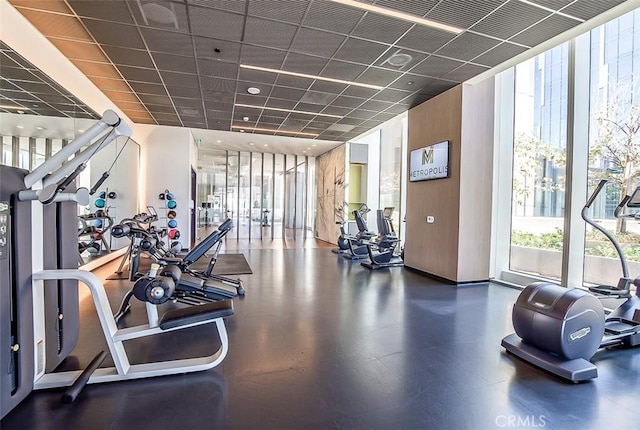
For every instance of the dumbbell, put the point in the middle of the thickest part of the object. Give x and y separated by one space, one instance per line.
94 248
172 223
112 195
176 246
171 214
100 203
171 204
174 234
120 230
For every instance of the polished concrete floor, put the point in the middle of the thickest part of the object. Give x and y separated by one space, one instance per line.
320 342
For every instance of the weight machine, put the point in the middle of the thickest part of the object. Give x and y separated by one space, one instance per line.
39 278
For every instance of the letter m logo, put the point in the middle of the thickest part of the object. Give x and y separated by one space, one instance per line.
427 156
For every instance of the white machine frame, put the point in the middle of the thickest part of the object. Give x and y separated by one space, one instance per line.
115 337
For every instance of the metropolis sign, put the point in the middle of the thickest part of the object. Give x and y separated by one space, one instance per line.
430 162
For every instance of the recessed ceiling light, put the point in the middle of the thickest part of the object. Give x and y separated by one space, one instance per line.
304 151
245 118
253 90
314 145
242 130
400 15
39 127
304 112
266 144
20 127
80 131
251 144
304 75
218 141
20 111
271 130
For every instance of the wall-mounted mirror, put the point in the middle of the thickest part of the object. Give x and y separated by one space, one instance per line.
37 118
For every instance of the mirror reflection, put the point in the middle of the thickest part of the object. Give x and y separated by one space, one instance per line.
37 119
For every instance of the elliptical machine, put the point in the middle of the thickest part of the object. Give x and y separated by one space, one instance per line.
560 329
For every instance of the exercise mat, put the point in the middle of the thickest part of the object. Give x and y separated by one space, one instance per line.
226 264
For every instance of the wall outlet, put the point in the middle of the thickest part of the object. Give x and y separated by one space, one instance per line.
430 219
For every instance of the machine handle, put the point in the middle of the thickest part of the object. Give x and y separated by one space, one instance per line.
103 178
595 193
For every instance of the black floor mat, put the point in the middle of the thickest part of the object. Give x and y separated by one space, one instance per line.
227 264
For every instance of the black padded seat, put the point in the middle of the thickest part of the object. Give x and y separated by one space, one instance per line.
195 314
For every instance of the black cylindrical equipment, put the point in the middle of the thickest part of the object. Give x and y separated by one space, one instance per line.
565 322
154 290
81 381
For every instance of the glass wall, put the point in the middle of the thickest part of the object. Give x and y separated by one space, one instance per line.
244 196
391 168
277 216
266 195
311 197
614 139
212 191
579 100
383 176
266 230
539 154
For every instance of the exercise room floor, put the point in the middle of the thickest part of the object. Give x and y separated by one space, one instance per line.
320 342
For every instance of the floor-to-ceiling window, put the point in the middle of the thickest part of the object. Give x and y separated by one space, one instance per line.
391 139
571 116
614 142
539 149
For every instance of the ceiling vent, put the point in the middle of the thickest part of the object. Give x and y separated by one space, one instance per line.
340 127
187 111
398 60
317 98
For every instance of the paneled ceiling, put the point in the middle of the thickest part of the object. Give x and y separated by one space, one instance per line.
191 62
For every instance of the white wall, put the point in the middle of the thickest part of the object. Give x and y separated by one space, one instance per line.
166 157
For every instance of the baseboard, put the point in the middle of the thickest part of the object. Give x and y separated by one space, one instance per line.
446 280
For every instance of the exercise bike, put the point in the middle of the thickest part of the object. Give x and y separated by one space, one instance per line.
383 249
560 329
343 239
